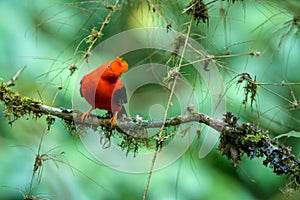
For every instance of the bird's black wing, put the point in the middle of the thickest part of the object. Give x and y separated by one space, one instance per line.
120 96
81 88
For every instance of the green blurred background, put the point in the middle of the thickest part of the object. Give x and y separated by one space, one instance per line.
44 36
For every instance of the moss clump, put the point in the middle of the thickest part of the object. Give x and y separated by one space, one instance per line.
16 105
250 88
198 9
237 140
50 121
132 143
133 139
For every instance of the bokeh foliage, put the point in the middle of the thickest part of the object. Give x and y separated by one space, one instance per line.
49 37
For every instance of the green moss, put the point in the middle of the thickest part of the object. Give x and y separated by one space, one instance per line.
252 136
72 128
132 143
16 105
50 121
134 139
295 176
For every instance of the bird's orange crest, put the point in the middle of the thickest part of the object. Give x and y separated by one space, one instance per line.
123 64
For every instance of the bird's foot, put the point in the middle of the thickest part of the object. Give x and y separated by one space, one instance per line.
86 114
113 119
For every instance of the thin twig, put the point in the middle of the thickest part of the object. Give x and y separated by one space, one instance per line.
12 81
160 140
100 31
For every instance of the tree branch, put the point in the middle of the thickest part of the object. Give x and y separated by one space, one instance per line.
235 139
126 123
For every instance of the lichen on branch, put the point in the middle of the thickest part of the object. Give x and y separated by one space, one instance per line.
237 140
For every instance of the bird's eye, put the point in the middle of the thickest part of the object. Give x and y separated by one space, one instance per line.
108 66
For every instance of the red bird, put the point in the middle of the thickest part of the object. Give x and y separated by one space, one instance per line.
103 89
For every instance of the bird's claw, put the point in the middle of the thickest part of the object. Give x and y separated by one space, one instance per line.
113 120
86 114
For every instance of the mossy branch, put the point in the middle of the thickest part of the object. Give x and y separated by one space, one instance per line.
236 139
